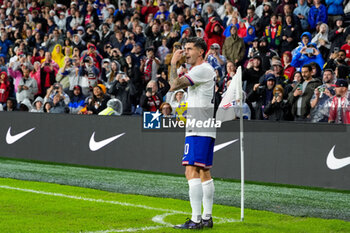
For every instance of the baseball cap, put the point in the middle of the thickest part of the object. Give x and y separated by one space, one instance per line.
80 28
270 77
267 3
215 46
276 63
341 83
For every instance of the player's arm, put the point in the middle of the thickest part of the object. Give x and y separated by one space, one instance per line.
176 82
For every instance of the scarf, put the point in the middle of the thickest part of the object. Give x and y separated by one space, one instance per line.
148 70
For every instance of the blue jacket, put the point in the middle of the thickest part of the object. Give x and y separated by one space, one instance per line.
317 15
5 45
299 60
335 7
301 45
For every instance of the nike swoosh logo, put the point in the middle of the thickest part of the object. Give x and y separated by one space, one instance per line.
222 145
333 163
94 146
12 139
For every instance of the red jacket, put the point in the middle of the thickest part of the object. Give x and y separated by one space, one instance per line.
344 111
213 37
4 88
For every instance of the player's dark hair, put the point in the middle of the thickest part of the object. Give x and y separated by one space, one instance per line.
199 43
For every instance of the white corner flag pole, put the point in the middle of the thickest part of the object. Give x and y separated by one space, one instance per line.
226 113
242 158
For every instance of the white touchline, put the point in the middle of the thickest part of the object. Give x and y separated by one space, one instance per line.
157 219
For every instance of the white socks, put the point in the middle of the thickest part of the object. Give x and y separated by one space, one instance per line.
208 198
196 195
199 191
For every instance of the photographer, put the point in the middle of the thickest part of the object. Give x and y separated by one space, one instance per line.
307 55
54 90
153 97
278 109
48 72
88 74
262 94
123 89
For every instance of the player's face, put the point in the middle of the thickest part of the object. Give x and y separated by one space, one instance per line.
192 53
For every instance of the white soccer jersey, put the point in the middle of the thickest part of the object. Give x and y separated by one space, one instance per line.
200 99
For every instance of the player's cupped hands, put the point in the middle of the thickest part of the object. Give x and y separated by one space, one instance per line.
177 56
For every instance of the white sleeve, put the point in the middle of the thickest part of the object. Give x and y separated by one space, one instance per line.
200 74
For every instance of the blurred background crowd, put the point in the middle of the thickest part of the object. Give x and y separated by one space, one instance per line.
112 57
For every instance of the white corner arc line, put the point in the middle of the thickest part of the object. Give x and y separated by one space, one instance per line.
168 211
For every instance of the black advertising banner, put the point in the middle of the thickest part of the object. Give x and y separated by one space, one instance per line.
316 155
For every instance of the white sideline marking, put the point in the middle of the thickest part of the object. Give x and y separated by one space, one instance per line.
157 219
129 229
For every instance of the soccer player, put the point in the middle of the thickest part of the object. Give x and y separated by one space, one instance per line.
199 142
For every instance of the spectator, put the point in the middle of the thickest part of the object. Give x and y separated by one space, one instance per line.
11 105
248 40
77 100
53 90
306 56
321 41
88 74
338 35
346 47
288 70
48 72
153 97
58 105
320 101
177 98
290 34
166 110
124 90
114 108
252 73
335 9
162 13
57 55
38 105
4 88
149 66
251 18
265 18
339 111
153 35
278 109
150 8
300 96
35 74
98 102
262 94
336 59
265 53
302 12
317 13
273 33
234 48
215 59
27 87
67 76
214 32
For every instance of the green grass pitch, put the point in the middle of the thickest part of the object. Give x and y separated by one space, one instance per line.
110 200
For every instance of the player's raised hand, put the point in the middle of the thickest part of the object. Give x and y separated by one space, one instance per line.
177 56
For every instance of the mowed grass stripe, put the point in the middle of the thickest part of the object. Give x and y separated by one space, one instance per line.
32 212
287 200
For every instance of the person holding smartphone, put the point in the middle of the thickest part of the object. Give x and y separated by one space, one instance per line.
278 109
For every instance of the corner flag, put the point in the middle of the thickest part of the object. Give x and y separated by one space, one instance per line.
226 112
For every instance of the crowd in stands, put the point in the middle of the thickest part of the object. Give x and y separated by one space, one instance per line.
112 57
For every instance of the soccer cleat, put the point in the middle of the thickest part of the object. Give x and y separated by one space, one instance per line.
207 223
189 224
